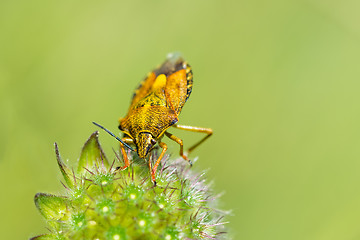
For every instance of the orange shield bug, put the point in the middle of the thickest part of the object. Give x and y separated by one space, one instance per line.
155 107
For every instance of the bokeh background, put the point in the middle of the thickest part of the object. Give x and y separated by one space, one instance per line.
278 81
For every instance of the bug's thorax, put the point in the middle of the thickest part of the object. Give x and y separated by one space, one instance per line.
153 119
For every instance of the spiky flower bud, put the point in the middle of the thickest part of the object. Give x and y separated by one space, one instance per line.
103 202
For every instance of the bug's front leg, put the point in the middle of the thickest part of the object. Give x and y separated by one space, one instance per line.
125 156
153 171
208 131
180 142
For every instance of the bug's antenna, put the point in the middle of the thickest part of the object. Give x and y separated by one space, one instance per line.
117 138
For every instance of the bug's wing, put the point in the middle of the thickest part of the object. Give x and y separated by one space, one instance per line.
179 82
146 86
178 88
173 63
144 89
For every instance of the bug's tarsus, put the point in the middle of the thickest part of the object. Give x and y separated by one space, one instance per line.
117 138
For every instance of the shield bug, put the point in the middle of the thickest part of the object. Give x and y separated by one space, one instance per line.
155 107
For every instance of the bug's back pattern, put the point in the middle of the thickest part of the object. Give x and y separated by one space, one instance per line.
176 87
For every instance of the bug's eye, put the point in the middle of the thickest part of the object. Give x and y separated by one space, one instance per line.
153 141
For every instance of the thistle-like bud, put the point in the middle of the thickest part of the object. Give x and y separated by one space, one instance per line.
103 202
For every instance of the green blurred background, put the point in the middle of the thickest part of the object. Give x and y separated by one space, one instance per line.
278 81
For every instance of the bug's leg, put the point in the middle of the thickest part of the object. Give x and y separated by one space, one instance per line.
180 142
153 171
122 148
208 131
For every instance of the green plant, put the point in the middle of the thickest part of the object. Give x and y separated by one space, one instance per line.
102 202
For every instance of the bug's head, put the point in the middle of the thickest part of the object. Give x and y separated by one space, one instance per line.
144 143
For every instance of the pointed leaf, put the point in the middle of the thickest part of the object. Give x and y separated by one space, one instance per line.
50 206
66 172
92 155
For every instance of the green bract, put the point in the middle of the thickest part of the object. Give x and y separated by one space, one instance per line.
103 202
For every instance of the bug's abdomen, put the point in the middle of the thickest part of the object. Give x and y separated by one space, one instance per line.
189 81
